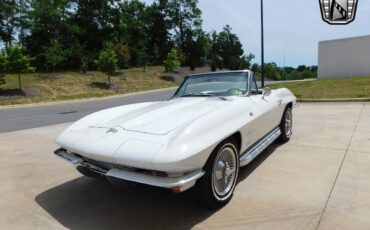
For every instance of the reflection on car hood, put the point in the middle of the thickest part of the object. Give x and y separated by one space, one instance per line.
163 117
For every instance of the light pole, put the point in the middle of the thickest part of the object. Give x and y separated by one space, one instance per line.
262 50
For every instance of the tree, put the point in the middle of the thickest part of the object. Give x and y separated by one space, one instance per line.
172 62
306 74
8 20
48 22
301 68
200 49
245 61
272 71
158 30
131 28
185 17
255 68
123 54
213 52
229 49
107 61
55 54
18 62
293 75
3 63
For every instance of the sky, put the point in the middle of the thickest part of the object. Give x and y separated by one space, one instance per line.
292 27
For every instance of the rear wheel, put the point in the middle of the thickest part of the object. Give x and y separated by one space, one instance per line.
286 125
216 187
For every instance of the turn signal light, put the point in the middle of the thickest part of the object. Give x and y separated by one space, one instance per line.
176 189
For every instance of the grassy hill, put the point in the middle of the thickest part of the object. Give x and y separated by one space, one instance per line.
43 87
358 87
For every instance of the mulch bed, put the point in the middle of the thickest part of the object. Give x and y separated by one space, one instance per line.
9 94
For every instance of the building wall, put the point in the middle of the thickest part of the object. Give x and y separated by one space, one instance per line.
349 57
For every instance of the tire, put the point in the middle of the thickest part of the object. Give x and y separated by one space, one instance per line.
221 170
286 125
87 172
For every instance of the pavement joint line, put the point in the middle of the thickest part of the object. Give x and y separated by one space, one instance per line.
340 169
317 146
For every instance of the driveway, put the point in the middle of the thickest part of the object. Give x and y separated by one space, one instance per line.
319 180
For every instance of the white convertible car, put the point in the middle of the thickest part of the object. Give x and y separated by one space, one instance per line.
214 124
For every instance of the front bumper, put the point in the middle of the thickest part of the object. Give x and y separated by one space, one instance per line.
177 183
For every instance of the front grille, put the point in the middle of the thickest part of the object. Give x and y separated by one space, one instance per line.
107 165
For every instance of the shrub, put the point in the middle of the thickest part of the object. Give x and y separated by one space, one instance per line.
107 61
172 62
18 62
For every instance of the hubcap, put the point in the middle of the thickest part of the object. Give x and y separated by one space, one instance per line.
288 123
224 172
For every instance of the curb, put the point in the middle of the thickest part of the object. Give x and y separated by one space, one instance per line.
85 99
334 100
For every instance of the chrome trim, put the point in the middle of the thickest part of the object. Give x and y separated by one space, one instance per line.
165 182
252 153
70 157
185 181
216 72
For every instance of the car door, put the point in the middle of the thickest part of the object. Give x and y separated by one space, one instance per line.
250 129
269 106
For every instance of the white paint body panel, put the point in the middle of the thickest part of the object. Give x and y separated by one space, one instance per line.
175 136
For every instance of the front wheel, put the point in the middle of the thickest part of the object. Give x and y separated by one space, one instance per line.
216 187
286 125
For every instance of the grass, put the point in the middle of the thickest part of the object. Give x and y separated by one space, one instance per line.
46 87
358 87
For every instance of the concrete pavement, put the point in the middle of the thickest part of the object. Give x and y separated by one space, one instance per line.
319 180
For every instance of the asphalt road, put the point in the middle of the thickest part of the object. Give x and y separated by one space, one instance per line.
14 119
20 118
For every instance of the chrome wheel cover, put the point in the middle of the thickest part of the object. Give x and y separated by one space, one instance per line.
288 123
224 172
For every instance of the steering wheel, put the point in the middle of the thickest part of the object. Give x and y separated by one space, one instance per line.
235 92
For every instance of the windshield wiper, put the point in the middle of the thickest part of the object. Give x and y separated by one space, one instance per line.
203 95
198 95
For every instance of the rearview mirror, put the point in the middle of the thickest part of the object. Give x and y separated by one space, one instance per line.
266 92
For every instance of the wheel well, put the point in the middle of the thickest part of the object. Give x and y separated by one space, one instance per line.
290 104
238 138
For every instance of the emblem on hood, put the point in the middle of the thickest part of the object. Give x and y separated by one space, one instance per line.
338 12
112 130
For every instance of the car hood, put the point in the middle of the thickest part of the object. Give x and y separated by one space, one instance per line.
163 117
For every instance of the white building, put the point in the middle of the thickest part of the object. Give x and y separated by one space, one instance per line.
348 57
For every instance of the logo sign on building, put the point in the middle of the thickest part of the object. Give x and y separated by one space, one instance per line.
338 12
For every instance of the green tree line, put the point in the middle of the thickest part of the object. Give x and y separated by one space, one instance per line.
72 34
274 72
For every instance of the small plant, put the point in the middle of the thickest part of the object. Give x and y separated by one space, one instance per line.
54 54
172 62
107 61
18 62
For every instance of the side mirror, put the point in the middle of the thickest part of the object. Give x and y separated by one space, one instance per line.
266 92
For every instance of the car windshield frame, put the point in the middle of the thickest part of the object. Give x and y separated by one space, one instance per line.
180 92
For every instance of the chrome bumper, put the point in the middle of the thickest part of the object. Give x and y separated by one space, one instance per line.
177 184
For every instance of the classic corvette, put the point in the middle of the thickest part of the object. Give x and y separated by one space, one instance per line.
214 124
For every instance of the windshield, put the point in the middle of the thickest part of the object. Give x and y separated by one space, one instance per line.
217 84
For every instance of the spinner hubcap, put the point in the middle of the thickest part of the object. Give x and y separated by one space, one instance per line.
224 172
